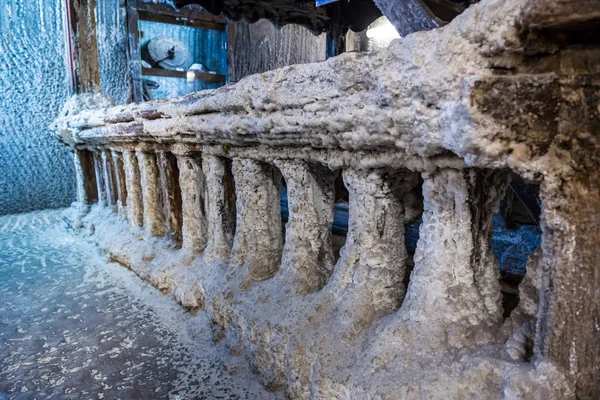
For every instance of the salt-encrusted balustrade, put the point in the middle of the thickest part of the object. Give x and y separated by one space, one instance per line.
152 194
501 88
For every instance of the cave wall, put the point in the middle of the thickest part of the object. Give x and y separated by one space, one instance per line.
36 171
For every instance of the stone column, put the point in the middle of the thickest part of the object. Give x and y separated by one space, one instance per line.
193 200
454 298
154 217
120 180
220 206
100 182
371 270
169 177
109 182
307 260
134 189
568 325
258 238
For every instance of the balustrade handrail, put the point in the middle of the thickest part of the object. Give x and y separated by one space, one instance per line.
413 99
451 110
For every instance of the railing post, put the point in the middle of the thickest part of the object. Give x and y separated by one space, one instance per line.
220 207
454 290
100 182
371 270
109 182
171 195
258 237
193 200
85 177
135 213
154 217
307 260
120 180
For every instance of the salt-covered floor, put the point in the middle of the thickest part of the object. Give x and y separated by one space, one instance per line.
73 326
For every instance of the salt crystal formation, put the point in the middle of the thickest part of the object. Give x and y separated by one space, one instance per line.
508 85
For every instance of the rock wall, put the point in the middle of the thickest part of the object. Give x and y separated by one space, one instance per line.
35 170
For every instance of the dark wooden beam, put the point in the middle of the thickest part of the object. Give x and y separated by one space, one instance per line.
85 44
211 78
178 20
191 13
133 55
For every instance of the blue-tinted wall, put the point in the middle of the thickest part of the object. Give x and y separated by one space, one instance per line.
36 171
207 47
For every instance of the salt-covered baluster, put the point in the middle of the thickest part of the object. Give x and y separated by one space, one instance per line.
258 238
120 185
135 213
154 217
85 177
109 183
307 260
454 292
193 203
171 194
100 182
371 270
220 206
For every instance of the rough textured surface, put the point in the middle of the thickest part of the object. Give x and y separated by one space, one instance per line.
76 326
461 105
35 172
258 238
307 259
193 195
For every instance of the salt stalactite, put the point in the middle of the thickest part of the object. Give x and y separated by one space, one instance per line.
193 202
100 182
454 293
120 184
258 238
135 213
109 183
220 206
307 260
369 279
154 217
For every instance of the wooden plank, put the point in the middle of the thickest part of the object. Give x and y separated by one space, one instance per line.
184 12
133 55
203 76
169 19
231 39
85 44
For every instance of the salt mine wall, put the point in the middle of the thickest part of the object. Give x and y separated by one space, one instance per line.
35 171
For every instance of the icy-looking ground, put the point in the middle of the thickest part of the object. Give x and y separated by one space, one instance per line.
73 326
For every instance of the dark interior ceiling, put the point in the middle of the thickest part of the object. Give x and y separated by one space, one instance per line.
352 14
